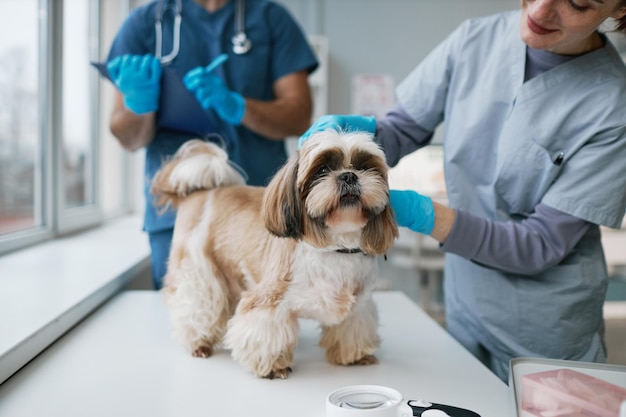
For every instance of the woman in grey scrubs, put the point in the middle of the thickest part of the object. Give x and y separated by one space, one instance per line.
535 151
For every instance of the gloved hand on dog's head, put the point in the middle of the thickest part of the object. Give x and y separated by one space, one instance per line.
344 123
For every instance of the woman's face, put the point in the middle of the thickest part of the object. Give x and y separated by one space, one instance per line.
566 27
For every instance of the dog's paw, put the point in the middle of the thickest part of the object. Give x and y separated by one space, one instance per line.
279 373
202 352
365 360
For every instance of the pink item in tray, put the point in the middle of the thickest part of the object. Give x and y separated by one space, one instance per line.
568 393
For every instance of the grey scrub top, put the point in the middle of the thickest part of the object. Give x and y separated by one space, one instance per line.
558 139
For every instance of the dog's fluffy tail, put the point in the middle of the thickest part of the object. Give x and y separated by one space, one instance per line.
197 165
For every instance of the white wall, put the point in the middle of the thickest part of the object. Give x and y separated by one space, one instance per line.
383 37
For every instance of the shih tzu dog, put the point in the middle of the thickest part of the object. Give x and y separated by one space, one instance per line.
247 262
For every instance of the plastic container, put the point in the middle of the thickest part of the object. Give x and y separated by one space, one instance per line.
569 393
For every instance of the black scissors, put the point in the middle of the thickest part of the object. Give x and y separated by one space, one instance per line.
427 409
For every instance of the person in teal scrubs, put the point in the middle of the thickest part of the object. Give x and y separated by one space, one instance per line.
254 100
532 104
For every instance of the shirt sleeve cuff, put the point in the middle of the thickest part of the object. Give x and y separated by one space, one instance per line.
466 236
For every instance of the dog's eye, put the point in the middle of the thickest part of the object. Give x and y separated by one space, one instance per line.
365 161
322 171
363 167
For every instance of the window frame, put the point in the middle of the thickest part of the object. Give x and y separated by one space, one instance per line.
68 220
53 219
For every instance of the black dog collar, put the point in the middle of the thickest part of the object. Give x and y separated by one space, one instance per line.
345 250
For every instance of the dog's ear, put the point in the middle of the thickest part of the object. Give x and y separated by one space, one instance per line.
282 205
379 233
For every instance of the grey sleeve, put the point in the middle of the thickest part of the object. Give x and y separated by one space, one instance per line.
399 135
529 247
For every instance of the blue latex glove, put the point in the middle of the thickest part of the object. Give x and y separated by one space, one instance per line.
139 80
413 210
212 93
346 123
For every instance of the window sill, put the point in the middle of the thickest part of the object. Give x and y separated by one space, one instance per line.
48 288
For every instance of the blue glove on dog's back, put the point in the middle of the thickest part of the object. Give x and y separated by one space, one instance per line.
345 123
138 77
413 210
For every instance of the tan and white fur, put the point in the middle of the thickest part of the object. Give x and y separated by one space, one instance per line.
247 262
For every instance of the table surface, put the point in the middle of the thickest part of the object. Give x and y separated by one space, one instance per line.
121 361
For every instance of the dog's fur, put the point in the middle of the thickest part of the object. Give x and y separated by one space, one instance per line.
247 262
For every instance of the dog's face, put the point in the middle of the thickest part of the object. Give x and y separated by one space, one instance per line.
332 190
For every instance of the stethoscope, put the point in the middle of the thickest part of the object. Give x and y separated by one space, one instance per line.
241 43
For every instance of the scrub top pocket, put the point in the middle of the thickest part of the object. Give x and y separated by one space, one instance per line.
524 173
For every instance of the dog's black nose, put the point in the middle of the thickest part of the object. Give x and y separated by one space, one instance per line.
349 178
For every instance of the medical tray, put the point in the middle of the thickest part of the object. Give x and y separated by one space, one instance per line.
560 388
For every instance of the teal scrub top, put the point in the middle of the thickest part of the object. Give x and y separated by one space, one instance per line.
558 139
279 48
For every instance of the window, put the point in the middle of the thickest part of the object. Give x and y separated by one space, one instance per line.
78 114
60 168
20 137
